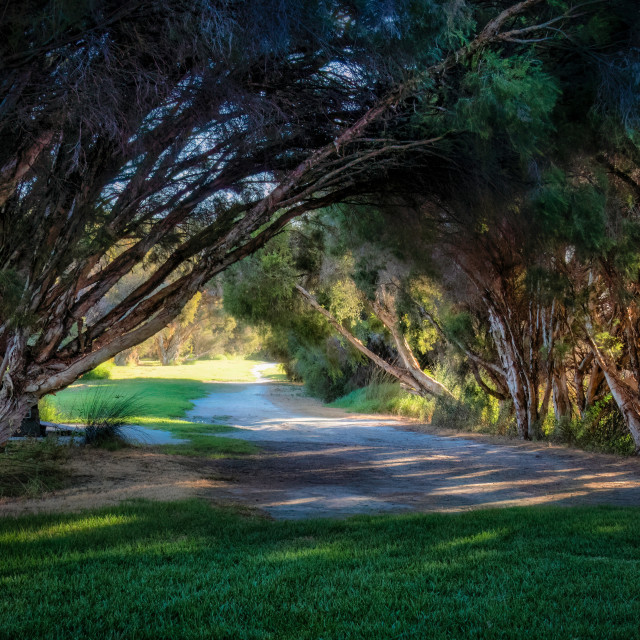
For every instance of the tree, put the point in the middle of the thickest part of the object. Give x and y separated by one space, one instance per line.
184 135
171 341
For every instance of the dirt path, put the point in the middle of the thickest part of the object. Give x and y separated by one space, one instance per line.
317 462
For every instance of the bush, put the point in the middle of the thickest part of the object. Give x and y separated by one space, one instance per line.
101 372
471 410
48 411
602 429
103 414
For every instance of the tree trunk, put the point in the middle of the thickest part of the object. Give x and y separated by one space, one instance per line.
561 401
172 351
627 402
14 401
625 396
390 320
401 374
127 357
12 412
169 348
523 393
595 382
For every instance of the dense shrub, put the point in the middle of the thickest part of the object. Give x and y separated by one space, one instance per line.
48 410
101 372
601 429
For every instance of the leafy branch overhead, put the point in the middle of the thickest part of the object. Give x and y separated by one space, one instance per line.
171 140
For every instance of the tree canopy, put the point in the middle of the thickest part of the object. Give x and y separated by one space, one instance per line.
172 139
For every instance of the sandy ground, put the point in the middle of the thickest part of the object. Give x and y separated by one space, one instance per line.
101 478
318 462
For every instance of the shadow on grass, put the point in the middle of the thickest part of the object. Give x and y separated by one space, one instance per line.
187 570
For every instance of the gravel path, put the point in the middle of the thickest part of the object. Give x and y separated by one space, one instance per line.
319 462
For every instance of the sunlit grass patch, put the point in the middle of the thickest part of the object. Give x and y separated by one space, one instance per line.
202 442
160 570
275 373
386 398
227 370
164 400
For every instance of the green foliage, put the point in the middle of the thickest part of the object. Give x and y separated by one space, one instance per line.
346 301
48 410
187 570
510 97
11 287
601 429
325 369
261 287
103 371
571 213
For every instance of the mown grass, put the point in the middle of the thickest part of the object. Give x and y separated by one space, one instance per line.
227 370
165 395
185 570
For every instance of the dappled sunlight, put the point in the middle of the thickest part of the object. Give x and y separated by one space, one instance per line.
82 525
477 539
315 461
475 474
604 474
325 552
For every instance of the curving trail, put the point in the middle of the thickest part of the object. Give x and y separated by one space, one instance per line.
319 462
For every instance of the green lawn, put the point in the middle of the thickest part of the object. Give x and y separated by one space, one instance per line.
185 570
164 395
227 370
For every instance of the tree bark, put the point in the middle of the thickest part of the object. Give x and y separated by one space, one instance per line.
624 395
403 375
561 402
127 357
411 364
14 401
523 393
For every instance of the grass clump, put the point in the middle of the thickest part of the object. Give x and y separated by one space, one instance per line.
165 403
30 467
186 570
103 414
386 397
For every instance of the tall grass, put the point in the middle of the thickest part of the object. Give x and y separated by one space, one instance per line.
31 467
48 410
104 413
471 410
601 428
